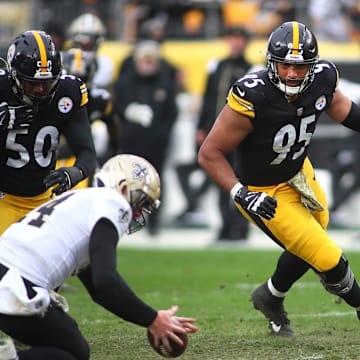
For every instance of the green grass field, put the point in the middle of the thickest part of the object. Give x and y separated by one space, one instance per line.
214 285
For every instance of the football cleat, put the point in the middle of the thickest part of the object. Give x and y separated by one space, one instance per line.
7 349
273 309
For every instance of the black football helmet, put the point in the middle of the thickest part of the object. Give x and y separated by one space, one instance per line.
292 42
80 63
32 57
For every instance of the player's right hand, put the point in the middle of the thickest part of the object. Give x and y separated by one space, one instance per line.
65 178
15 117
258 203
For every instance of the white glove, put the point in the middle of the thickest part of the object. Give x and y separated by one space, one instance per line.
139 113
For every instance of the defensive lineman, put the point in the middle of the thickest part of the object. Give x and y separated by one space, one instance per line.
269 119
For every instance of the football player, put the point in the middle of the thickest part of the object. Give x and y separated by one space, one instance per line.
39 253
269 119
37 104
87 32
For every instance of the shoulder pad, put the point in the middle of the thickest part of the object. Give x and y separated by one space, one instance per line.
75 87
327 72
246 92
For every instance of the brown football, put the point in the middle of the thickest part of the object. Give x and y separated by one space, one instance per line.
177 350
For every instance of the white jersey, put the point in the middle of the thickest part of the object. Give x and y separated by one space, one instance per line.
52 242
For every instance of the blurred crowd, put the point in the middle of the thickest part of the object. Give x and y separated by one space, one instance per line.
335 20
128 20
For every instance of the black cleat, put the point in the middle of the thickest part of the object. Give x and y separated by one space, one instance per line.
273 309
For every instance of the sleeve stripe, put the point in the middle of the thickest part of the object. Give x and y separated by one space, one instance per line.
241 106
84 95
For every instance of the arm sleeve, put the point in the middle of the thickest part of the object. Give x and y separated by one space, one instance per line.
352 121
105 285
79 138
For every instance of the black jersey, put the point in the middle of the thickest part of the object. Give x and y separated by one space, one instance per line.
99 107
28 154
278 145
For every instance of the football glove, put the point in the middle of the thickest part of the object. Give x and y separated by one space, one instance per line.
15 117
65 178
258 203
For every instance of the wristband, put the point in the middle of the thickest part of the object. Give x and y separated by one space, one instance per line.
235 189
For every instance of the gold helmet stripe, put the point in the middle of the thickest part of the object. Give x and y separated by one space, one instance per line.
296 31
42 50
77 58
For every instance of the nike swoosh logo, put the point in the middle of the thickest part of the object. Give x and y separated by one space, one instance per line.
241 92
275 327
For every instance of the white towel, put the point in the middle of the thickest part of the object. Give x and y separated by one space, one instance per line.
308 198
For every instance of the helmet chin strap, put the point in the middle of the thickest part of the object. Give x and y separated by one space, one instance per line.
289 90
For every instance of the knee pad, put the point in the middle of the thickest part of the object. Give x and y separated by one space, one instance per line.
340 279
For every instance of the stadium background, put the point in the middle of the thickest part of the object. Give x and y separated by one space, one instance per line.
192 56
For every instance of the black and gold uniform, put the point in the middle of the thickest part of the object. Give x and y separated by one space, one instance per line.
275 151
28 151
269 120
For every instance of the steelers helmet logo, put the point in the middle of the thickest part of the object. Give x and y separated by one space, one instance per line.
65 105
320 103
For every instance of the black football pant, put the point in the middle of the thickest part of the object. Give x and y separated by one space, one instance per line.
55 336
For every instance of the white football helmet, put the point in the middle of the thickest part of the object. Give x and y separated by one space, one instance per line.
87 31
137 180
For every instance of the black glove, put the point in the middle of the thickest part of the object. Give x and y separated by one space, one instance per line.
66 178
15 117
258 203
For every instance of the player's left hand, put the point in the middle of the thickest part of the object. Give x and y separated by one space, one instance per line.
65 178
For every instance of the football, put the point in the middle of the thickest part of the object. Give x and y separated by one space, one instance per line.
177 350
